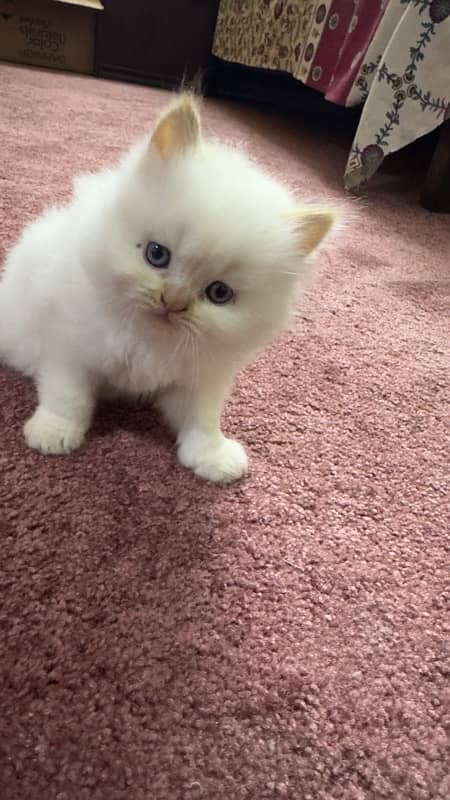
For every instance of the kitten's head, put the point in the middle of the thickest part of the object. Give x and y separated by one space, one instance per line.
203 240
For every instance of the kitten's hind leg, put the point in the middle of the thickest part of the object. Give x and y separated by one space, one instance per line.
195 414
64 413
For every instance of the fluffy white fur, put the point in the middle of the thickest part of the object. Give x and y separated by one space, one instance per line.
81 310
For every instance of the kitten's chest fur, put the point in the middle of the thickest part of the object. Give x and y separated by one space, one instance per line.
141 366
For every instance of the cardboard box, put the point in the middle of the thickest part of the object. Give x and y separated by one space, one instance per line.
49 33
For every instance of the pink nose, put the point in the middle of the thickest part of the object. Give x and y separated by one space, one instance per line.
170 309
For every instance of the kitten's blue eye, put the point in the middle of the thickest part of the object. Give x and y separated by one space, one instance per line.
219 293
157 255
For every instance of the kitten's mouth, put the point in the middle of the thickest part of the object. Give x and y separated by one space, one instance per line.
166 312
166 315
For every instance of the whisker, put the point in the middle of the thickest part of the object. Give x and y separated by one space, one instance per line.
193 366
175 352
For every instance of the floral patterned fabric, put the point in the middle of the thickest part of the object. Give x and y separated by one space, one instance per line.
391 55
303 37
404 82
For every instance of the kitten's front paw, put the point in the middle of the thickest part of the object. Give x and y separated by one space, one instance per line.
222 461
49 433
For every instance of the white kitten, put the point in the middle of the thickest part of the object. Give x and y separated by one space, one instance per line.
163 277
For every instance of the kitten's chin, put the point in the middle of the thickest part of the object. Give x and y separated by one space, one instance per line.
160 316
163 320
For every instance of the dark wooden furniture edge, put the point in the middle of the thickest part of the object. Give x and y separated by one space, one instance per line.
435 194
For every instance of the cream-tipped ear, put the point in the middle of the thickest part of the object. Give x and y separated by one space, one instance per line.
313 224
178 128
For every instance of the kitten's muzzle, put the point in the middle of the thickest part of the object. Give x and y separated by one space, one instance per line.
170 307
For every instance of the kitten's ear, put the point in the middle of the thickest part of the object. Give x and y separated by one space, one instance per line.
313 224
178 128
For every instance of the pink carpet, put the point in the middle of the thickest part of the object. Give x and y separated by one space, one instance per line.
163 639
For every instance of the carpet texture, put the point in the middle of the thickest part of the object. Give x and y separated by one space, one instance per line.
164 639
